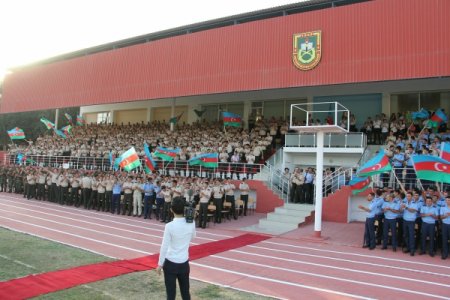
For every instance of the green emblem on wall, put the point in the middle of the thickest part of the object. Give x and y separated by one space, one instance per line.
307 50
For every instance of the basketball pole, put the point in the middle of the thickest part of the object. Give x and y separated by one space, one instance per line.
319 183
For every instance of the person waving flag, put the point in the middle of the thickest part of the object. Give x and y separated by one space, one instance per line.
437 118
16 134
48 123
80 120
431 168
378 164
231 119
445 151
68 117
359 184
129 160
150 165
166 154
208 160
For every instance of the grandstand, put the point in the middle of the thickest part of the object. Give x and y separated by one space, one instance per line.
198 71
387 62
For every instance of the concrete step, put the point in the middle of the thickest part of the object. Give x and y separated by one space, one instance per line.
265 223
290 212
303 207
286 218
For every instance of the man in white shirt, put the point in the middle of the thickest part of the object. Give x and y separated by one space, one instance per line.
244 188
174 253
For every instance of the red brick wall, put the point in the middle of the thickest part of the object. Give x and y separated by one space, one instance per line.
335 206
266 200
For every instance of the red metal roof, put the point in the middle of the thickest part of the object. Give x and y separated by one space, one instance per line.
371 41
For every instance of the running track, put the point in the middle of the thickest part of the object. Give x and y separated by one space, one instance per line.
278 267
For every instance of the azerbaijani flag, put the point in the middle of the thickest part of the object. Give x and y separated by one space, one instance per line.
16 134
378 164
422 114
68 117
438 118
80 120
47 123
129 160
60 133
431 168
166 154
176 119
208 160
67 129
359 184
23 158
150 164
231 119
445 151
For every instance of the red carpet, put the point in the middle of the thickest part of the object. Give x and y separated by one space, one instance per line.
35 285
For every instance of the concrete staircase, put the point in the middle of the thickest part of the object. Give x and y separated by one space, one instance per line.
283 219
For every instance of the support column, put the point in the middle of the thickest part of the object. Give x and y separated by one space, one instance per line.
172 113
246 114
56 117
319 183
149 114
111 117
386 104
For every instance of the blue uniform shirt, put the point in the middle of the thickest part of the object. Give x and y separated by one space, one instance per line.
148 189
409 162
398 160
441 203
157 190
410 216
380 202
426 210
390 214
445 210
373 206
399 202
117 188
419 203
309 178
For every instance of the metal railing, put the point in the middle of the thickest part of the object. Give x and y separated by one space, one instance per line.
331 140
281 185
406 177
276 160
277 182
177 167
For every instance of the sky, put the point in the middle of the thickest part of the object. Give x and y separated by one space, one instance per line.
32 30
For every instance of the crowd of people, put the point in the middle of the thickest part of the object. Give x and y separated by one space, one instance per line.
399 148
96 189
137 194
407 219
234 144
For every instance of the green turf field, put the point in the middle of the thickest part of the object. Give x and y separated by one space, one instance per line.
22 254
